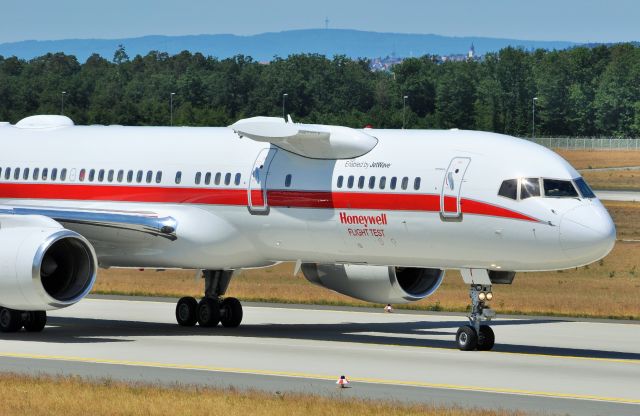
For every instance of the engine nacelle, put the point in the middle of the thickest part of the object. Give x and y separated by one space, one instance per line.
42 265
380 284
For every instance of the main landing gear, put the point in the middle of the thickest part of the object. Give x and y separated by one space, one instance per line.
477 335
212 309
12 320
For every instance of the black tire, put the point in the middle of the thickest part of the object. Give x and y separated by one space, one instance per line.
231 313
486 338
208 312
35 321
187 311
10 320
466 338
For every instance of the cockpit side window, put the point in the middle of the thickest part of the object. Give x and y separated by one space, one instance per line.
529 187
509 189
557 188
584 189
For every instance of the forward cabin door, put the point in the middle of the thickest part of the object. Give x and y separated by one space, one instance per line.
257 191
451 187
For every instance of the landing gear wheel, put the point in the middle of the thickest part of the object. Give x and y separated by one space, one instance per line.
10 320
466 338
208 312
231 313
187 311
35 321
486 338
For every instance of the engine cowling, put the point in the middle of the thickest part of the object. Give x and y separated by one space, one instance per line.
380 284
43 266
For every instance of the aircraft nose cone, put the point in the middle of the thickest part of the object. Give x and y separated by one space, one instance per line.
587 233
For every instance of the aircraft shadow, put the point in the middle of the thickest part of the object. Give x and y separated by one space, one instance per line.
87 331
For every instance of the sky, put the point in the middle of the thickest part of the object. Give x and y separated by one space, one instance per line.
567 20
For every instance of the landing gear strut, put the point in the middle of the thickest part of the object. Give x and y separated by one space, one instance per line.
12 320
477 335
213 308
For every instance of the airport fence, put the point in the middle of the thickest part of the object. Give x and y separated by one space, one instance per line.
588 143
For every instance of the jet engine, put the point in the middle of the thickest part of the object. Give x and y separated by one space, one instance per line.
42 265
381 284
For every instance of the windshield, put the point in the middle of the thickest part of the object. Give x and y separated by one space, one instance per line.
584 189
557 188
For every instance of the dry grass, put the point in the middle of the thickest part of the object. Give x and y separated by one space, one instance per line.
627 180
608 288
593 159
72 396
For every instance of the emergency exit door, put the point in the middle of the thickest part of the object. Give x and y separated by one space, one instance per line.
257 190
451 188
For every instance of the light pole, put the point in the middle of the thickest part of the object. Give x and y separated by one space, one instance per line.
171 105
533 125
404 108
284 100
62 102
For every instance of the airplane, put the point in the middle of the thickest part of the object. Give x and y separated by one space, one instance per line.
375 214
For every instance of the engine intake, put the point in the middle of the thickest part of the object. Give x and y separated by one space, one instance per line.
44 268
380 284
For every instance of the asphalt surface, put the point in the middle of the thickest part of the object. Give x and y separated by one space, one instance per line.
538 364
618 195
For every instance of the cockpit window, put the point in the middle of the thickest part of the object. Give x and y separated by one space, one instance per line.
529 187
559 189
509 189
584 189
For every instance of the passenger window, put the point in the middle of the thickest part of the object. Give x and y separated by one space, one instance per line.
394 182
45 174
63 174
81 176
25 174
120 175
361 182
207 178
159 176
7 173
227 179
92 174
372 182
559 189
36 173
509 189
340 180
238 176
287 180
130 176
149 176
101 175
405 183
584 189
16 174
529 187
416 184
198 176
383 182
350 182
0 172
54 174
217 180
178 177
110 175
139 176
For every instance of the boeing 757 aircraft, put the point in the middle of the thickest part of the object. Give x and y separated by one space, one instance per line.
378 215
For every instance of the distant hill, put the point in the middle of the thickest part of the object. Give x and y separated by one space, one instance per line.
265 46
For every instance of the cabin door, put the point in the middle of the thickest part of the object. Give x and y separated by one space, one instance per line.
452 184
257 191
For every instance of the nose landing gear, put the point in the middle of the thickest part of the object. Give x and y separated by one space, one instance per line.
212 309
477 335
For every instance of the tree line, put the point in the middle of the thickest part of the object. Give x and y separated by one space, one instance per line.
579 92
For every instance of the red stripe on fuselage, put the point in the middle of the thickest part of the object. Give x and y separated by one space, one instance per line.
238 197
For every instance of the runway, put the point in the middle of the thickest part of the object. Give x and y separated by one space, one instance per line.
631 196
539 364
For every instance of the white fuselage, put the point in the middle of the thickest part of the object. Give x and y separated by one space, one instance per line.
270 205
